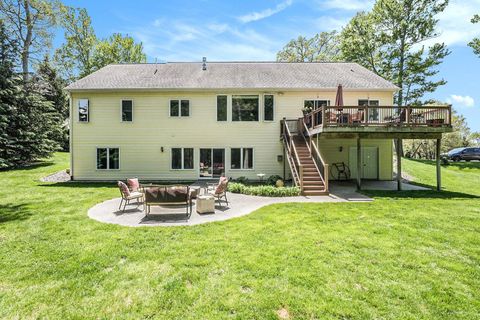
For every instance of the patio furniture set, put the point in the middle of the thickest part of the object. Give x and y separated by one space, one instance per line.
173 195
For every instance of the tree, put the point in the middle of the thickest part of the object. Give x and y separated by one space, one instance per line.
31 23
475 43
50 86
73 58
322 47
26 118
390 39
117 49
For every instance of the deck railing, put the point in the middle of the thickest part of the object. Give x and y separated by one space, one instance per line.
381 116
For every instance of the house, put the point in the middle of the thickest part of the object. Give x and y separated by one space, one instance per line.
199 120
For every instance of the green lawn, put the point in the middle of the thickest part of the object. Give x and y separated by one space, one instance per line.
405 255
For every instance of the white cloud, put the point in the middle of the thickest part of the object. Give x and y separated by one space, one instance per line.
255 16
347 4
466 101
454 26
329 23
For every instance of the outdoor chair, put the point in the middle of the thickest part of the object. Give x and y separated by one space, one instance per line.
340 171
219 190
128 196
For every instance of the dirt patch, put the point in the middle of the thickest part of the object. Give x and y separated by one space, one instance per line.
283 313
60 176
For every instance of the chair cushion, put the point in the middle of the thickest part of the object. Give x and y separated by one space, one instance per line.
123 189
133 184
135 195
222 185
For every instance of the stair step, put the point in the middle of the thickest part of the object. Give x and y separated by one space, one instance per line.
314 188
315 193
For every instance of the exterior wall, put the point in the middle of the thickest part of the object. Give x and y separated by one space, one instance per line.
140 141
330 150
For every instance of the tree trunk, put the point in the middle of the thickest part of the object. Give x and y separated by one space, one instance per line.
28 40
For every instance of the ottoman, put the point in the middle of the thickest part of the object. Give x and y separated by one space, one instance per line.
205 204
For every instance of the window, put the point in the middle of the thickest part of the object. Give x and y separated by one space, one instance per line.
221 108
182 158
179 108
108 158
372 112
127 110
244 108
83 110
311 105
268 107
241 158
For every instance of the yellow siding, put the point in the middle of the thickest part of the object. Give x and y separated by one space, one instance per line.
140 141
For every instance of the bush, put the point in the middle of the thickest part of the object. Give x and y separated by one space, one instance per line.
272 180
263 190
243 180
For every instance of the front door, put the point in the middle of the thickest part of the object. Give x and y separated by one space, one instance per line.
212 163
369 162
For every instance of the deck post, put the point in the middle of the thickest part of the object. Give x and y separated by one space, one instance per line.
359 164
437 158
398 146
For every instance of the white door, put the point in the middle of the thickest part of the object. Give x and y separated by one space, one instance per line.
369 162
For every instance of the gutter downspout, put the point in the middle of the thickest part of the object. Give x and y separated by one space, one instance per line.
70 127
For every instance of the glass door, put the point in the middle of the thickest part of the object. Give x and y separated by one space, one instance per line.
212 163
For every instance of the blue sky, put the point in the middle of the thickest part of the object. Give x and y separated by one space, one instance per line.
256 30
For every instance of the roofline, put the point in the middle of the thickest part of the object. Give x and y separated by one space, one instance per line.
226 89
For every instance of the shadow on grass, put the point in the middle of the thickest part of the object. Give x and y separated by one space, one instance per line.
460 165
32 166
12 212
417 194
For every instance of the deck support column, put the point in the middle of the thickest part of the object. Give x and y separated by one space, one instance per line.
359 164
437 159
398 149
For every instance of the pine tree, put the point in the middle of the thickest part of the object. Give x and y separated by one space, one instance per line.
50 86
26 117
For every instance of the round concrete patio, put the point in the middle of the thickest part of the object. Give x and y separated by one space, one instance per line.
240 205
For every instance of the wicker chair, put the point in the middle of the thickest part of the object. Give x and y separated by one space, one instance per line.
219 190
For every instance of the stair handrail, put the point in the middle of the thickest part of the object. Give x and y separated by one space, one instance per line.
320 164
291 149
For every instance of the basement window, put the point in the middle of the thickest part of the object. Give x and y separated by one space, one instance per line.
108 159
241 158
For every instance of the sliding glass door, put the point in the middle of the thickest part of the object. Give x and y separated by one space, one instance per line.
212 162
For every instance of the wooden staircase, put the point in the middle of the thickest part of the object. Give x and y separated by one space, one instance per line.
313 184
309 171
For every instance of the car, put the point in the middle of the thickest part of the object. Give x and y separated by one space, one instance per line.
466 154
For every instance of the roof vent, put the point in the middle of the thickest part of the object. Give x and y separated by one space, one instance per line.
204 64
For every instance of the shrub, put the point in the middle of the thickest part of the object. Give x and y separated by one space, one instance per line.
263 190
242 180
272 180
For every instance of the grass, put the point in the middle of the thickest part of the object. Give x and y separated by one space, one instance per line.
412 255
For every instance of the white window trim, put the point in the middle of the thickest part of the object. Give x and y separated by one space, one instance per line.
179 116
121 110
78 110
182 153
108 156
263 106
317 99
260 106
216 107
373 107
241 159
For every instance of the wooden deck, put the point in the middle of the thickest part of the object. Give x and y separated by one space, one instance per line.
381 119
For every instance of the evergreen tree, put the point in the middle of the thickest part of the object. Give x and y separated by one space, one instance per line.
50 86
26 118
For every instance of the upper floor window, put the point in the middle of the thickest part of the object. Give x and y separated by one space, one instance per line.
222 108
373 113
268 108
108 158
244 108
127 110
179 108
182 158
83 110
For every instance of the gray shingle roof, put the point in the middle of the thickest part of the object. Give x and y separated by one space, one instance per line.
232 75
